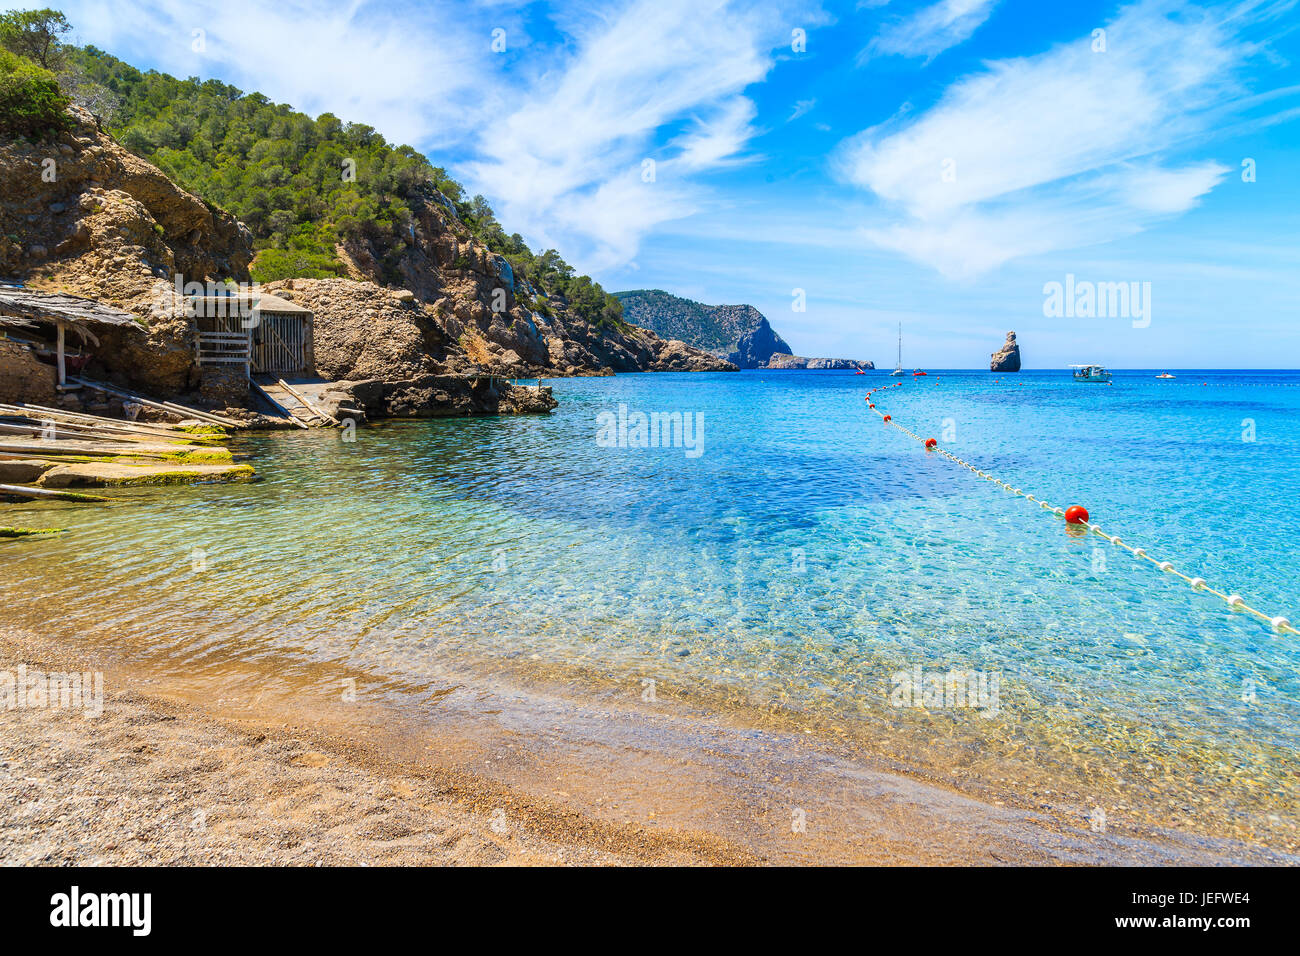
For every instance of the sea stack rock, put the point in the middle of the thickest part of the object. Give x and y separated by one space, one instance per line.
1007 358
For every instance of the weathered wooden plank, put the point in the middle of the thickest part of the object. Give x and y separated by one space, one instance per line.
183 411
22 491
280 408
307 403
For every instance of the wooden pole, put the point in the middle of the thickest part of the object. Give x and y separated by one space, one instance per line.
181 411
42 415
307 403
63 370
24 492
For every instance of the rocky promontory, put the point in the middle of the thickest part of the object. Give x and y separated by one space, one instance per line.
738 334
397 360
1007 358
799 361
498 318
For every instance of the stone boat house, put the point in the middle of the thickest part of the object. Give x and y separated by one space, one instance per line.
250 335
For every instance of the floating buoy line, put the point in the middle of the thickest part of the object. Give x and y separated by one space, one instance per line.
1078 515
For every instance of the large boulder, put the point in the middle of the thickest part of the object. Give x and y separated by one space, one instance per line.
24 377
1007 358
676 356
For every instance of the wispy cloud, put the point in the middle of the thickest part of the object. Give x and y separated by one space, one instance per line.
801 108
568 163
354 59
930 30
1057 150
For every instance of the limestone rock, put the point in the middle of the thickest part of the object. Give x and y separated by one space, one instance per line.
23 472
104 474
1007 358
24 377
677 356
758 347
800 362
112 227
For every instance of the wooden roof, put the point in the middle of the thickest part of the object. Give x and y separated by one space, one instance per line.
22 306
262 301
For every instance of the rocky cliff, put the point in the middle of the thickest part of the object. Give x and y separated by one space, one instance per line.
739 333
799 361
1007 358
395 358
80 214
499 320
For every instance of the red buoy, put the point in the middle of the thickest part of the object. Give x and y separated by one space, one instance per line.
930 443
1076 514
888 418
872 405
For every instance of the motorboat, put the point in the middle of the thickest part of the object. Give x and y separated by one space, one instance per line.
1090 373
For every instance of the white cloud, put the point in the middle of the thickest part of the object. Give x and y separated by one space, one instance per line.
1159 190
565 163
357 60
715 141
1052 151
931 30
801 108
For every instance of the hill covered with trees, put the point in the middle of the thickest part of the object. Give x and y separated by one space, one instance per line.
738 333
301 185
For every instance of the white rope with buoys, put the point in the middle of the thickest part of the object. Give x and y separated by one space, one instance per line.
1234 601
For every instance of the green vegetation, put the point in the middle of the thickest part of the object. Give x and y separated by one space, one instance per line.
34 35
28 532
31 103
302 185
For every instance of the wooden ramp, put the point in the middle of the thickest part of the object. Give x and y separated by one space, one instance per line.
300 403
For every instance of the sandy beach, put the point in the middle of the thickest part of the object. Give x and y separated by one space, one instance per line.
155 780
159 778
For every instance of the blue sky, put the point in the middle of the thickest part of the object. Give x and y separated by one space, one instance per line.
934 163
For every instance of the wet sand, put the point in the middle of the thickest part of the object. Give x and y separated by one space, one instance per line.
173 773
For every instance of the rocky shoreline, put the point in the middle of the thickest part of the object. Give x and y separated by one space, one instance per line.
114 229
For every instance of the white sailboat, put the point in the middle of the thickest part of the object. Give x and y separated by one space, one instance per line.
899 369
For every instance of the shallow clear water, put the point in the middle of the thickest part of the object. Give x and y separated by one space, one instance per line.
806 556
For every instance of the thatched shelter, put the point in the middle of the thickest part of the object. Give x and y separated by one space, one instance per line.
40 313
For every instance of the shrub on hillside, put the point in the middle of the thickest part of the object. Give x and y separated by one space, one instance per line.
31 103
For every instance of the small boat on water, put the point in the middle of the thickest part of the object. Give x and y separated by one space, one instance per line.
917 371
898 369
1166 375
1090 373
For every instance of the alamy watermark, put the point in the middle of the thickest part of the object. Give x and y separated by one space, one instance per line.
218 300
1084 299
635 429
955 689
133 911
37 689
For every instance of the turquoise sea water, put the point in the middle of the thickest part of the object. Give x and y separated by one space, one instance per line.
805 556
